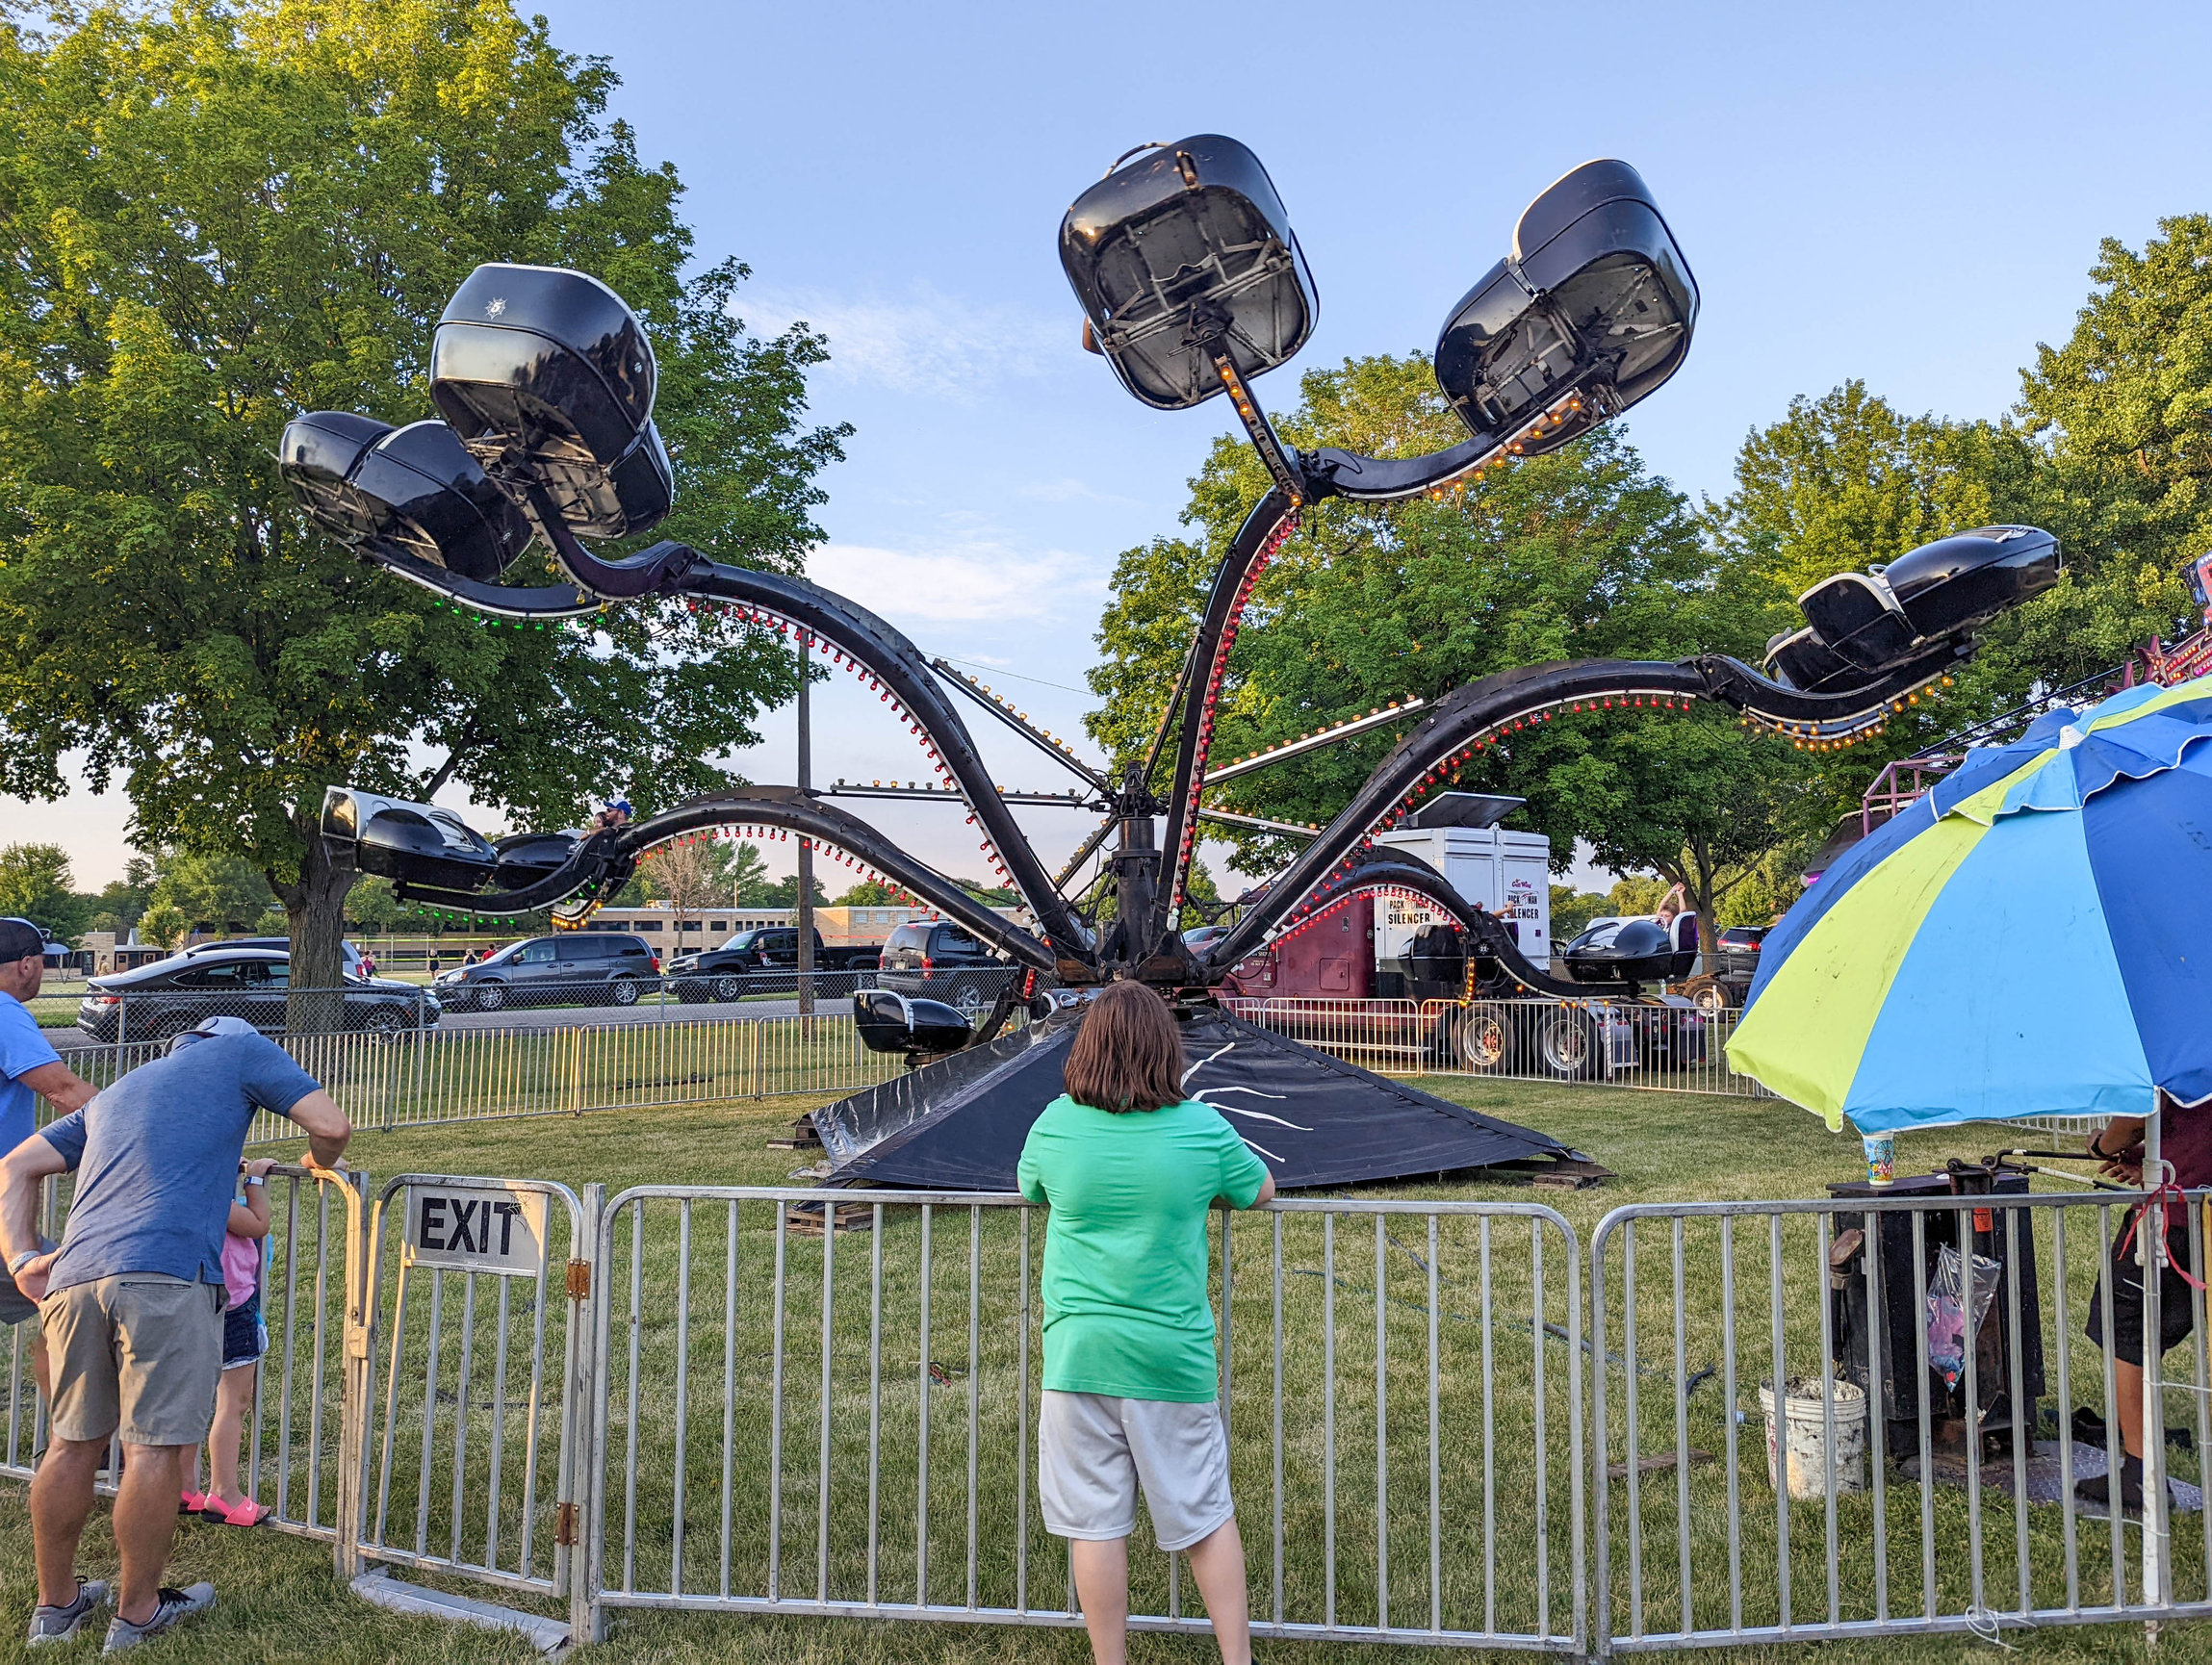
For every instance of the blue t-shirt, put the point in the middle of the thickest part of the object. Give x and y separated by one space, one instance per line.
157 1156
22 1049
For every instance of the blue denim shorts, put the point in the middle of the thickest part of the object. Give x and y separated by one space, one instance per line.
244 1336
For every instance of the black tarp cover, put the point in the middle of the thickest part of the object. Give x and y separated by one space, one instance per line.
959 1124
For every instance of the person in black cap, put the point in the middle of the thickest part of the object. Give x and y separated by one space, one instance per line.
30 1069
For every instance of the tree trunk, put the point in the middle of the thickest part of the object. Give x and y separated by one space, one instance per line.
316 907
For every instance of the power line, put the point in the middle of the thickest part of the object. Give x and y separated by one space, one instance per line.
1002 670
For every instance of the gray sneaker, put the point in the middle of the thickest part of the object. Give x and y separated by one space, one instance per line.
60 1624
169 1607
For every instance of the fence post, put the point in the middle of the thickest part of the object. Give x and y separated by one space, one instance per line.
580 1538
354 1387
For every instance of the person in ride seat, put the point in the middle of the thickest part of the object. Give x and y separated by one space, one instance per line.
1130 1167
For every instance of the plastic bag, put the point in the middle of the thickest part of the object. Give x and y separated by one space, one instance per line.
1949 1327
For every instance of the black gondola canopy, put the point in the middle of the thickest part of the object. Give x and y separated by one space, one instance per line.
1184 250
1876 619
548 377
1591 312
412 491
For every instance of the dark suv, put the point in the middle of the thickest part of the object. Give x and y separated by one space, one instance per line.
934 961
583 967
157 1001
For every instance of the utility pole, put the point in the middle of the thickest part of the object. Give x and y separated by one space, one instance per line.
806 910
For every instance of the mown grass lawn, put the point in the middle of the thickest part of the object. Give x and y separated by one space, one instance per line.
278 1601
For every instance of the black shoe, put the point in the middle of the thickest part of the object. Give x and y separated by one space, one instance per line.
2095 1495
61 1623
169 1607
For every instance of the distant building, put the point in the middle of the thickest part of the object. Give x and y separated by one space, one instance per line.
102 956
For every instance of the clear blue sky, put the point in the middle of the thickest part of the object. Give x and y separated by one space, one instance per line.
1912 195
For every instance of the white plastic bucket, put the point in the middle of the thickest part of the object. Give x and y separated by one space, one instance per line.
1805 1437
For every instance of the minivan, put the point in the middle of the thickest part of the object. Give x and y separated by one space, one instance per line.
583 967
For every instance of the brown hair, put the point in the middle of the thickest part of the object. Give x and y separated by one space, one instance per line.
1127 1055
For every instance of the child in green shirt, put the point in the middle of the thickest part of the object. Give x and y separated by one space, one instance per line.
1130 1167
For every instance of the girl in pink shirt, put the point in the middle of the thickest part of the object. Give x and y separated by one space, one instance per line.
245 1339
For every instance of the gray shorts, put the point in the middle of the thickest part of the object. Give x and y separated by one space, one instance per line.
1093 1451
138 1355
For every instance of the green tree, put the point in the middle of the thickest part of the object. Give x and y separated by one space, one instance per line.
867 893
2123 408
213 893
120 901
36 883
785 893
739 872
1579 555
219 215
163 924
1572 911
1633 895
372 906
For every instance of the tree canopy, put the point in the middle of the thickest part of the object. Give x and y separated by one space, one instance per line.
219 215
1580 555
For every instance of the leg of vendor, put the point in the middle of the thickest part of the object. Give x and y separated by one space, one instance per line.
2185 1142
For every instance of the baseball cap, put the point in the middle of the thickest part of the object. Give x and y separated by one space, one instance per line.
207 1027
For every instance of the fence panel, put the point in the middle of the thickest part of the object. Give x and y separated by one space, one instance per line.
291 1441
435 1076
799 1421
1926 1484
468 1440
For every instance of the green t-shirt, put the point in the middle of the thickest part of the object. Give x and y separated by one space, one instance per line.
1126 1261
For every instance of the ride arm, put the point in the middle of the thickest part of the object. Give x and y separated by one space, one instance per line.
1471 718
876 649
1271 520
604 862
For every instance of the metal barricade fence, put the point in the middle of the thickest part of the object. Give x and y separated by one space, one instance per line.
1892 1500
435 1076
465 1449
291 1439
816 1402
824 1402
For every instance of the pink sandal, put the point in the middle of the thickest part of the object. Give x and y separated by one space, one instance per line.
248 1514
192 1502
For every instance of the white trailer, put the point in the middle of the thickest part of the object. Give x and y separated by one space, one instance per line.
1507 873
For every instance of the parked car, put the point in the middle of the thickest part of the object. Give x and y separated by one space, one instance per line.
352 960
766 958
154 1001
931 960
581 967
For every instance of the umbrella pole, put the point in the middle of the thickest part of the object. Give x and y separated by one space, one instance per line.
2152 1234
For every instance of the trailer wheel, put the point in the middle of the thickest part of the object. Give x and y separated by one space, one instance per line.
1571 1045
1481 1042
1710 994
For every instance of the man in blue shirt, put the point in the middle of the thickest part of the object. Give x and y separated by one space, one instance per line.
30 1069
132 1302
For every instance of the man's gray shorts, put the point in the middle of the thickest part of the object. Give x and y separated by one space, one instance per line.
1094 1452
138 1354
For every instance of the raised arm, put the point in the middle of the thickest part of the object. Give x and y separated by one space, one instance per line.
326 1128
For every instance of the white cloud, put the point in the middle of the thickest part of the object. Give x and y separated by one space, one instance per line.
927 343
973 582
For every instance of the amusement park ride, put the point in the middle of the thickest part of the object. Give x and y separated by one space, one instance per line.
1192 285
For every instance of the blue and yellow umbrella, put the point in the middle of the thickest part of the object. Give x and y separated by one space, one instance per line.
2033 936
